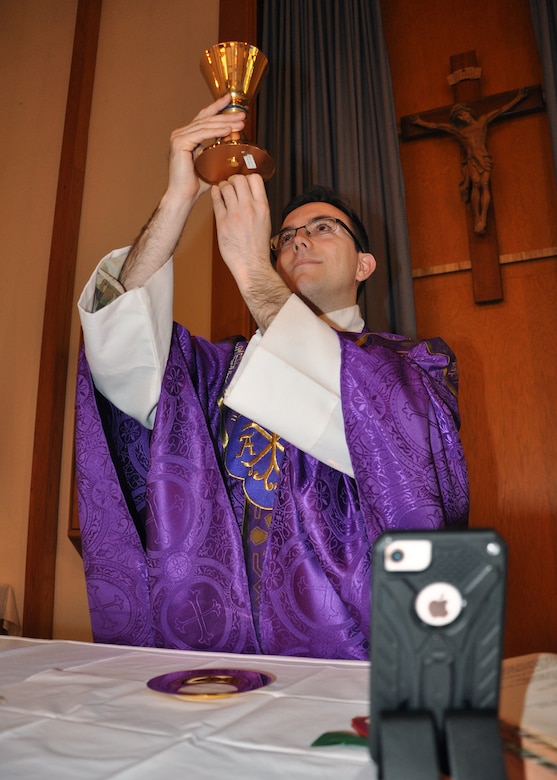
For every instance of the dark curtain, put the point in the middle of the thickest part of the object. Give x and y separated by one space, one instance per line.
544 17
326 115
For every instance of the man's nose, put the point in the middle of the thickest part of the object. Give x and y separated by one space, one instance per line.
301 237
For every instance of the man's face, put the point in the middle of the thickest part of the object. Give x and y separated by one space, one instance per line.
324 270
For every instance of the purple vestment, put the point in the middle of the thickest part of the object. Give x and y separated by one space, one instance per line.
161 515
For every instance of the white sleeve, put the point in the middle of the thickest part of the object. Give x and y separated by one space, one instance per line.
127 341
291 385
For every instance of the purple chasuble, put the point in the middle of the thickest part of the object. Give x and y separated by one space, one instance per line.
161 513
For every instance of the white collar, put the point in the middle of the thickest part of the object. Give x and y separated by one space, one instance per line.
348 319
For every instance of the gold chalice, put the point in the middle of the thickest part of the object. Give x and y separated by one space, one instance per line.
236 68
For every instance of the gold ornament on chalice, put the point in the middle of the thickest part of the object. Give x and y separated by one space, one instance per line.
236 68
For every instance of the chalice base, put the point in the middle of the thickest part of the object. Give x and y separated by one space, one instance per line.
218 162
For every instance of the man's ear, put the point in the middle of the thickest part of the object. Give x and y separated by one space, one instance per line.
366 266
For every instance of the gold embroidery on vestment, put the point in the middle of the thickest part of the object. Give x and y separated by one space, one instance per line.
273 444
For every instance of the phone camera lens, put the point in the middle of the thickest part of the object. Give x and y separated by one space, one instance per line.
397 556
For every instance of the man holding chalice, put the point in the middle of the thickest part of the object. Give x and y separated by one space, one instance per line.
245 482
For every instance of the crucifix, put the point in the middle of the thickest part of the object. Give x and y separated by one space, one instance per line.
467 122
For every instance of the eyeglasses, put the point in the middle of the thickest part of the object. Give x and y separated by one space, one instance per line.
320 226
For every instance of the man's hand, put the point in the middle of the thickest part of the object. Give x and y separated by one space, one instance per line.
244 230
186 143
243 225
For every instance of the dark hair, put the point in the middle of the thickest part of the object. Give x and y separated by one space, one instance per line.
319 194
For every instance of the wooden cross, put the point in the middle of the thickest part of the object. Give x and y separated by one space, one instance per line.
470 129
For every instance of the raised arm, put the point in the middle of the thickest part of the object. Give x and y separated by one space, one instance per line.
127 336
520 95
159 238
443 126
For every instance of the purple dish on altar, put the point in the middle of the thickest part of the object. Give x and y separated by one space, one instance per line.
210 683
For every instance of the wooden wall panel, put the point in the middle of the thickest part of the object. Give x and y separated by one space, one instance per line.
506 351
509 429
44 501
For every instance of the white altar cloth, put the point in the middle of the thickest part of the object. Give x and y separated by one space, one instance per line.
78 710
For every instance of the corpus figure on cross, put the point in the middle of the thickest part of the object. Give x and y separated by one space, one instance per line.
471 132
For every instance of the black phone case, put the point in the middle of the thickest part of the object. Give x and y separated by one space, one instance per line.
419 668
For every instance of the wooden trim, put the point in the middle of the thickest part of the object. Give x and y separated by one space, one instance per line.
229 314
44 501
438 270
74 530
517 257
534 254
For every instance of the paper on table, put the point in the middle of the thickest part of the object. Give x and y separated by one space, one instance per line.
528 705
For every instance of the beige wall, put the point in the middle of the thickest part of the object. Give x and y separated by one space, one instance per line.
147 83
35 50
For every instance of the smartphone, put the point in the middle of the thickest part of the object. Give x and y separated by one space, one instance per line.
437 627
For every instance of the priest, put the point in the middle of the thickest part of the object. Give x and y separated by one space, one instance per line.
230 493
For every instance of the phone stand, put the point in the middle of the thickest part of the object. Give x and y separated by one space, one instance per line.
436 646
469 749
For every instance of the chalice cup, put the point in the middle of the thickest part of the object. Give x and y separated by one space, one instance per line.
237 68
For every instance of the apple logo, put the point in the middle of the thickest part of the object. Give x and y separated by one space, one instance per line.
438 608
439 603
